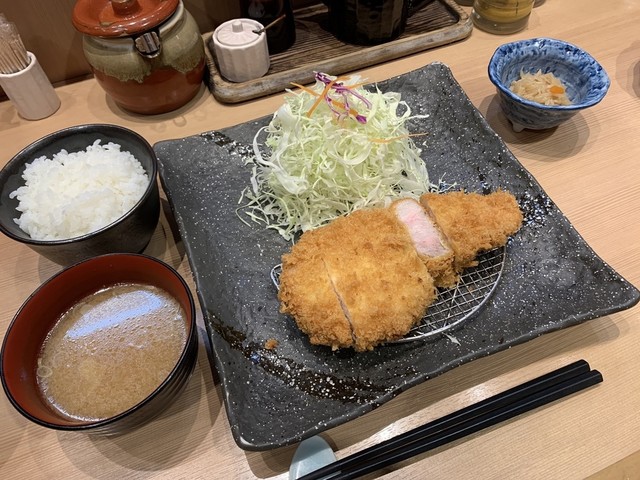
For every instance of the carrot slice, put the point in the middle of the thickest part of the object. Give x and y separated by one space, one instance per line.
321 97
352 111
306 89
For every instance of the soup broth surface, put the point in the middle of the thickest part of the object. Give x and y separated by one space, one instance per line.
111 350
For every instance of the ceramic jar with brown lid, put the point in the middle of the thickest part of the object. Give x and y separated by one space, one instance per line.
148 55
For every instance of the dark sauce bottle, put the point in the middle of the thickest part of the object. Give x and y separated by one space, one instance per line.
280 35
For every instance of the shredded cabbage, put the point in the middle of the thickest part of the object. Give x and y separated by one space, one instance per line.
322 164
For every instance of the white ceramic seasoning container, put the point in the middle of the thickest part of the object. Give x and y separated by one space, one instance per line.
241 53
30 91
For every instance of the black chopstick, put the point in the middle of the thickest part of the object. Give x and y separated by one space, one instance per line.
535 393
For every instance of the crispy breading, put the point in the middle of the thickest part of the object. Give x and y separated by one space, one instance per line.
368 261
307 294
474 223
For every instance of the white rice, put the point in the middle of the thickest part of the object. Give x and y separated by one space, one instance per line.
73 194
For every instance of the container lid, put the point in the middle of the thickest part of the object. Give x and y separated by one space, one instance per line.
120 18
238 32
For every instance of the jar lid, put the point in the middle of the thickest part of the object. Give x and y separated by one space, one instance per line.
238 32
119 18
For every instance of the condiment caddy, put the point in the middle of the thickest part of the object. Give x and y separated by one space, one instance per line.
439 22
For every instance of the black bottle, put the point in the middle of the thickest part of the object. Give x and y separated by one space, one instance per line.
282 33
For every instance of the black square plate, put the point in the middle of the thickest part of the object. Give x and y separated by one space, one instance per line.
274 397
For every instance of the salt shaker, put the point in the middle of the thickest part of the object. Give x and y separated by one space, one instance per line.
241 49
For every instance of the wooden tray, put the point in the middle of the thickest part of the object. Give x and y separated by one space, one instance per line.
437 23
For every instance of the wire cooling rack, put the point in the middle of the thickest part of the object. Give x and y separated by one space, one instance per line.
453 306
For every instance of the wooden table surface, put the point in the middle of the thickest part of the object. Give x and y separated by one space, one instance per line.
589 166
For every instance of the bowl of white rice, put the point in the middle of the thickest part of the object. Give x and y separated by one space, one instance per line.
82 191
543 82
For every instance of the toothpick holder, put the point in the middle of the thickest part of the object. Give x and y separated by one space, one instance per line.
30 91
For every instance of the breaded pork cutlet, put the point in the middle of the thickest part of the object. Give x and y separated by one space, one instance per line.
367 278
474 223
356 282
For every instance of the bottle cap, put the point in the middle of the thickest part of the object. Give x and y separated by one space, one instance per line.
238 32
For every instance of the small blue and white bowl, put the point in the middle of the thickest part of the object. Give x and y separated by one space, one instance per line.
585 80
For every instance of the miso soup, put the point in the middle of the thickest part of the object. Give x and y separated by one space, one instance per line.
111 350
